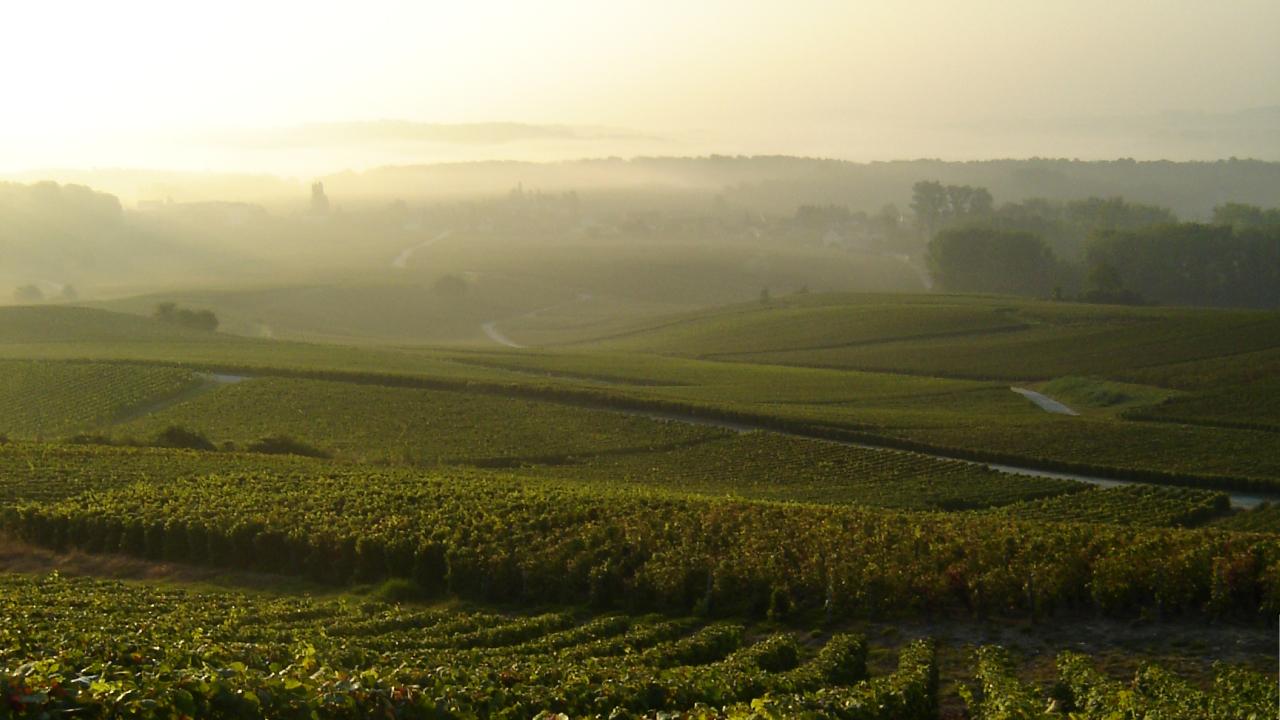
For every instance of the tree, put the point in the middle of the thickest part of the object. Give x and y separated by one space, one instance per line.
930 203
28 294
195 319
166 311
979 259
1190 264
936 205
1239 216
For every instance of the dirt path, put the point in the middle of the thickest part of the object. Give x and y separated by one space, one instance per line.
491 331
402 260
926 280
1044 402
208 382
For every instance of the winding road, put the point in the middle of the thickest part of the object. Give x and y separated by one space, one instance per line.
492 332
401 261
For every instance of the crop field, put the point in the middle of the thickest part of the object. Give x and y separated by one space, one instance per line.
1252 406
1126 505
254 655
666 521
967 417
491 537
1084 692
382 424
767 466
1231 369
802 327
41 473
1178 451
992 339
188 653
1264 518
56 399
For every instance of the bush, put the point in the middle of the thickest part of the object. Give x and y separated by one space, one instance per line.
195 319
398 590
175 436
284 445
90 439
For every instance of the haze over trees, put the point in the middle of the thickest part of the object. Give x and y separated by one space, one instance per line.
168 312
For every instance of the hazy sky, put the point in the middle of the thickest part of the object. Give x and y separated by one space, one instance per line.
149 83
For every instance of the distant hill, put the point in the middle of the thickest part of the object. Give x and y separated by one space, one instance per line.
778 184
771 184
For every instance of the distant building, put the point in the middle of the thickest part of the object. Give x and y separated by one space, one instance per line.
319 201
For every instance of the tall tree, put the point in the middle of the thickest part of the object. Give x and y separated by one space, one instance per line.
931 205
979 259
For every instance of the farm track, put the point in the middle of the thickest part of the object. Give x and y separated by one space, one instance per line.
1044 402
208 383
953 334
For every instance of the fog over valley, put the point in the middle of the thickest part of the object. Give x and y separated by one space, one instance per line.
715 360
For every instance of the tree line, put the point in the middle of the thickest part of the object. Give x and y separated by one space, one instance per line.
1099 249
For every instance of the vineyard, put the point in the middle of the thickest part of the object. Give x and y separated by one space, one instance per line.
767 466
147 651
1127 505
55 399
423 427
1037 342
130 650
618 534
1239 458
1264 518
496 538
801 324
43 473
1252 406
1083 692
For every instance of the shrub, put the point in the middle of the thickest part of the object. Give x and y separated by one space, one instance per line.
398 590
176 436
90 439
284 445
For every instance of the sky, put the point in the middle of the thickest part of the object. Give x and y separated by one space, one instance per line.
205 85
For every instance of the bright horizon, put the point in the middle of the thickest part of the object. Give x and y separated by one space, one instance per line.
147 84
